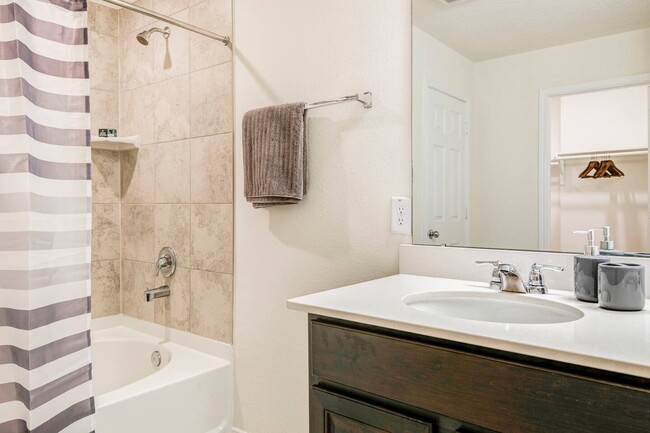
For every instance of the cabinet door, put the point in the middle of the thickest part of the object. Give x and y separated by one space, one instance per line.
333 413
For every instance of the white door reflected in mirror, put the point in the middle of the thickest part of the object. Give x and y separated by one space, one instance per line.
445 131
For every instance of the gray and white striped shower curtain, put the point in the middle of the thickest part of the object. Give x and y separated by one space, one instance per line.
45 218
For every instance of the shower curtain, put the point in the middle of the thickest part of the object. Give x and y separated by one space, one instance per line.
45 218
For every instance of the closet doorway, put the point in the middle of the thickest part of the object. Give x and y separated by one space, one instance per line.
595 142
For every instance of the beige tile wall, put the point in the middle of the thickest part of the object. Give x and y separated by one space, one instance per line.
176 190
104 110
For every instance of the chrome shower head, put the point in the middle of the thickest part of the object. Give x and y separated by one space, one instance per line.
143 37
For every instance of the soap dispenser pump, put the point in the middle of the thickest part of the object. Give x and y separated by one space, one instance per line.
607 244
585 268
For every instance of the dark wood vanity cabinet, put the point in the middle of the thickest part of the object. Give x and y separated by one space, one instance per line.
366 379
338 414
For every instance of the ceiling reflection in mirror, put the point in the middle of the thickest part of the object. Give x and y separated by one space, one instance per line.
530 122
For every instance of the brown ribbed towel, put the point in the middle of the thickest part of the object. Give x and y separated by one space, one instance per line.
274 155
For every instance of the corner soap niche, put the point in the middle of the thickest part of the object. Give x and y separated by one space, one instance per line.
118 144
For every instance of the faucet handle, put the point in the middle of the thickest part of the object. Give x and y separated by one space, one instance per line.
539 267
162 263
495 281
166 263
494 263
536 279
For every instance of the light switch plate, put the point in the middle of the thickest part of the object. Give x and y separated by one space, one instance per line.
400 215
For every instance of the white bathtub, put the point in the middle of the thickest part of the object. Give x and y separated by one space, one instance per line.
191 391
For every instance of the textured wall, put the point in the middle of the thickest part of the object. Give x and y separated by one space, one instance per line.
104 113
176 94
308 50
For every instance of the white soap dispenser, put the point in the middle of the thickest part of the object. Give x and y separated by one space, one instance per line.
607 244
585 268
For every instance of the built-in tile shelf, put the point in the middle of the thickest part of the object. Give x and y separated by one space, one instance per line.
118 144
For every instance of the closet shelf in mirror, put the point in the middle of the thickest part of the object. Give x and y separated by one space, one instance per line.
560 158
599 154
118 144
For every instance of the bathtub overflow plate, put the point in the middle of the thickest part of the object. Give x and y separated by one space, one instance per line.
156 359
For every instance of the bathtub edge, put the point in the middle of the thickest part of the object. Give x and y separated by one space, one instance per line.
163 333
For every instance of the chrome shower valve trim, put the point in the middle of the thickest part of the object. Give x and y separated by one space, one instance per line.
166 263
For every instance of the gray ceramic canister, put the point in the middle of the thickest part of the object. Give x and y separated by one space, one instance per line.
585 273
621 286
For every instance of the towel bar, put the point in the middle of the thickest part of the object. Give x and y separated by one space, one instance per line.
365 98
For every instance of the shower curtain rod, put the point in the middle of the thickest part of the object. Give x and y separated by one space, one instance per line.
169 20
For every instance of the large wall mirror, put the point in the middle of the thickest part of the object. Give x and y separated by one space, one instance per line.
530 121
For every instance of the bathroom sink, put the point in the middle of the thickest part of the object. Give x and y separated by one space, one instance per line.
493 307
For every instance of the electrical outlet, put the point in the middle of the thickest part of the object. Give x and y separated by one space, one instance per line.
400 215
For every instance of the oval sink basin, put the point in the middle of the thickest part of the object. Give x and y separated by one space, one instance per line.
493 307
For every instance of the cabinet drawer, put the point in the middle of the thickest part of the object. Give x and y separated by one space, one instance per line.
333 413
502 396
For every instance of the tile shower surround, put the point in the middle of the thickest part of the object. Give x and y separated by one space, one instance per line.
177 189
104 112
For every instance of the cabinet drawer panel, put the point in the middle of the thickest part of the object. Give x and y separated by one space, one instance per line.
502 396
333 413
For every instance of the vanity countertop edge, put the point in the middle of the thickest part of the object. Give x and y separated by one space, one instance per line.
612 341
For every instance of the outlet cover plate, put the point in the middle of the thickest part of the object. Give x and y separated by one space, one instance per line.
400 215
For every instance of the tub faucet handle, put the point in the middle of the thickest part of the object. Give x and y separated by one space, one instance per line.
166 263
163 262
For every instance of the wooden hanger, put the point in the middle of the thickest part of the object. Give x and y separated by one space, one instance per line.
608 169
593 165
616 171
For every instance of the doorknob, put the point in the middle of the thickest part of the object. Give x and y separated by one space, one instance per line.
434 234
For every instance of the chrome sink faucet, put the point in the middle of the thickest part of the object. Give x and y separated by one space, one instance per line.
511 281
506 278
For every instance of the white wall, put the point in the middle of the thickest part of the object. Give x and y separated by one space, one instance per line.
433 64
309 50
607 120
504 157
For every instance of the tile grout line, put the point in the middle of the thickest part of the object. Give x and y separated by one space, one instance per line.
174 77
191 250
218 134
120 158
181 267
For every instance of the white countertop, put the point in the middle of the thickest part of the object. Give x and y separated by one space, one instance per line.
608 340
